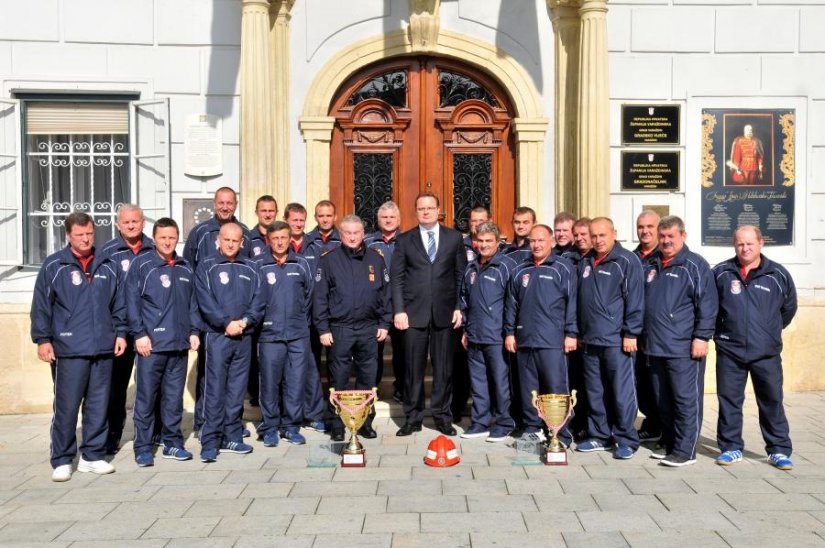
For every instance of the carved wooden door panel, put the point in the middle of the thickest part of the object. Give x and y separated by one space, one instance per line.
416 124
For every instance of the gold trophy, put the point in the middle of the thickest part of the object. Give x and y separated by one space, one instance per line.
554 410
353 407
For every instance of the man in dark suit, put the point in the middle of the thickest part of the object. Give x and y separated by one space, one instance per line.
427 268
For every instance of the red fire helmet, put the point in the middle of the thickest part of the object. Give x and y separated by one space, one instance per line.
442 453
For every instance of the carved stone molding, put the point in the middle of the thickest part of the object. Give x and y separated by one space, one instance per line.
425 22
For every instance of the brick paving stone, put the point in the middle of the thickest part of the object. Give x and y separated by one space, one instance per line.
565 503
453 473
344 505
198 492
771 538
304 541
110 529
650 486
330 488
134 543
687 537
371 540
41 496
626 520
480 522
501 503
108 494
447 539
606 471
692 502
194 527
772 520
409 487
154 509
235 526
474 487
373 473
212 542
556 472
13 533
588 540
552 522
499 472
219 508
522 540
303 524
290 505
708 519
730 486
533 486
793 501
427 503
603 486
201 477
799 485
392 523
266 490
302 474
617 503
60 512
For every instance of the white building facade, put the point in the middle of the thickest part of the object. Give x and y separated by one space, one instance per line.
494 102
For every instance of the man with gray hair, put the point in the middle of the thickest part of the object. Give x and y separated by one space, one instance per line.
383 241
128 245
351 310
679 319
483 295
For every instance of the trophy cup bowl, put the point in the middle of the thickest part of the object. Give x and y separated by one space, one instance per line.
353 407
554 410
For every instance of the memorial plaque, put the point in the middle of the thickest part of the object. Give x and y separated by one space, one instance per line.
203 146
748 174
650 171
650 124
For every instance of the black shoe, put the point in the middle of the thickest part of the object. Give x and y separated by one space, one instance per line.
446 429
397 397
253 402
408 429
367 432
337 435
112 445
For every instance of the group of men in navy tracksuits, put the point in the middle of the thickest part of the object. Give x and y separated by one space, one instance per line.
538 314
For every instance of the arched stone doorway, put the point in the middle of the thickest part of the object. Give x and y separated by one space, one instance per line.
413 124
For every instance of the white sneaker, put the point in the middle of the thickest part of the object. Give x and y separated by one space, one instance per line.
62 473
96 466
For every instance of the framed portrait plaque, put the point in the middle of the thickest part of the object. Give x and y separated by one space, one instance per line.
748 173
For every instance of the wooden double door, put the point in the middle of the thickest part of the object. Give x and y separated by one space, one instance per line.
416 124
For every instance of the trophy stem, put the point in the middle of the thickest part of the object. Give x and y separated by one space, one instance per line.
555 445
354 446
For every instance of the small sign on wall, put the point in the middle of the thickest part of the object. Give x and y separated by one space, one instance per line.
196 211
650 124
650 170
203 145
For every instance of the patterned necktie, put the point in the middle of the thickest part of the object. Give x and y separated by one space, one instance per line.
431 245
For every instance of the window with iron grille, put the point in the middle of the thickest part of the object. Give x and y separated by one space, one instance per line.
76 158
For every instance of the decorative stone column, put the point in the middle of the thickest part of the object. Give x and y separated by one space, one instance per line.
256 106
279 53
425 22
317 133
530 135
564 14
593 122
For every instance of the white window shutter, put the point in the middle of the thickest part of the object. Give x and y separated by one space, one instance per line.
150 144
11 184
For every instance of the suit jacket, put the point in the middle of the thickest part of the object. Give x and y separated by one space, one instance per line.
428 291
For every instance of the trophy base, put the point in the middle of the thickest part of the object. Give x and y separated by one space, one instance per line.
354 460
554 458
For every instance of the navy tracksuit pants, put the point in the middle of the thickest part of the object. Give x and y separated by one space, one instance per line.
575 374
611 393
86 382
356 346
313 391
161 376
489 376
121 375
679 386
648 405
545 371
766 376
224 386
283 369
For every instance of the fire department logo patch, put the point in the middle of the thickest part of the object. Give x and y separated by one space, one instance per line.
165 281
217 243
735 287
525 279
650 275
470 255
124 265
270 278
318 275
77 277
472 278
586 272
224 277
256 250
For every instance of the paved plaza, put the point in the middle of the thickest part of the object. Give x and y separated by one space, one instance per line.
272 498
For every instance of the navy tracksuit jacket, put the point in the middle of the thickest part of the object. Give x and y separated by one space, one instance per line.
610 308
680 306
161 304
226 291
644 377
384 247
258 244
284 303
753 311
483 297
541 312
202 242
81 317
